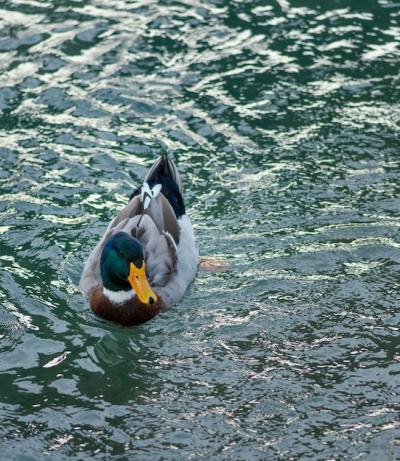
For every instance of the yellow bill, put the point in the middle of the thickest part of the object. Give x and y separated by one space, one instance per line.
138 280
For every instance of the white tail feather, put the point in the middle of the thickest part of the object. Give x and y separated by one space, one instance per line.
147 194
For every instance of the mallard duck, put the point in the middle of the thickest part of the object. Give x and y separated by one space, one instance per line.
147 257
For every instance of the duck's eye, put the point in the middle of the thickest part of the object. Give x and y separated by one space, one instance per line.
119 253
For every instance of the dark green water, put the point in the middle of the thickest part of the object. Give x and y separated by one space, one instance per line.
284 119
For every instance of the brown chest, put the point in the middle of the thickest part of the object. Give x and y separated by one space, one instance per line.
131 312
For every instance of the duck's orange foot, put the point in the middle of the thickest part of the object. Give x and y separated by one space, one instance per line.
210 264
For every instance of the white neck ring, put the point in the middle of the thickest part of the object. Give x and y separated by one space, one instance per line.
118 297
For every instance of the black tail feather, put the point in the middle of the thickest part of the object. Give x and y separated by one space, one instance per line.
165 173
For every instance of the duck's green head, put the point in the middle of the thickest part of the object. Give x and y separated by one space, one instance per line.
122 267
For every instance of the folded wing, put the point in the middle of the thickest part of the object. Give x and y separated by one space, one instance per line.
150 219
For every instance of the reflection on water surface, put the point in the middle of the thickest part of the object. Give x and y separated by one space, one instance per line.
283 117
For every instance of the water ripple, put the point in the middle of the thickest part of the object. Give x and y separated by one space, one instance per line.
283 117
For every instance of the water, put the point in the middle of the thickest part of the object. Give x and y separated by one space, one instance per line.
283 117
